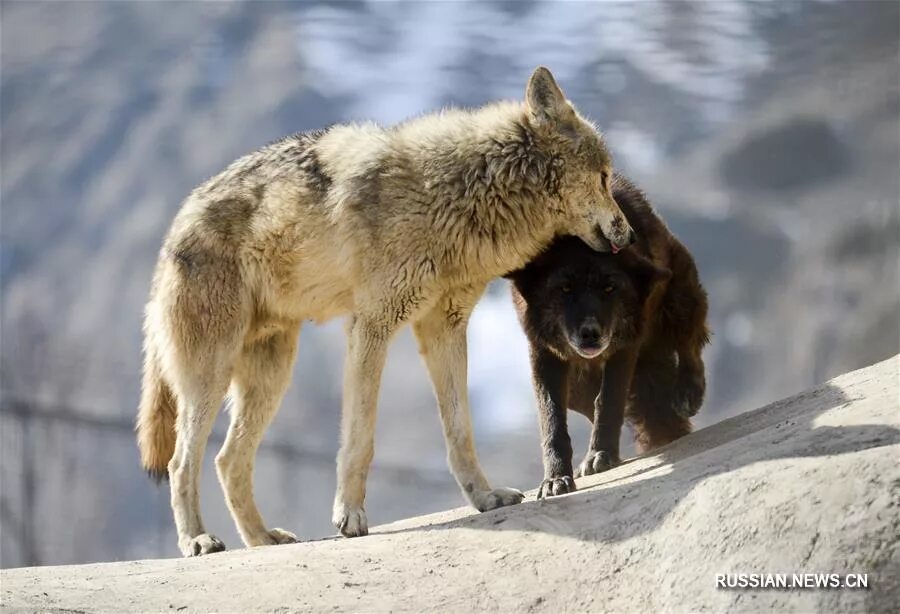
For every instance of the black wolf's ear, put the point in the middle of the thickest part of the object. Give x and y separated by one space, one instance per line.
646 275
525 277
545 100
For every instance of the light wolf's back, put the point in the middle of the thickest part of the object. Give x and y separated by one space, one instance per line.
258 217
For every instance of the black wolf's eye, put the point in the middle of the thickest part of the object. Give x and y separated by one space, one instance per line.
566 289
608 289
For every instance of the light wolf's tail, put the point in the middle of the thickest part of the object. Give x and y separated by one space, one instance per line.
155 425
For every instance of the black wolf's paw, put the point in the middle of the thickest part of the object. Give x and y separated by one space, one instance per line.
597 462
688 396
202 544
556 486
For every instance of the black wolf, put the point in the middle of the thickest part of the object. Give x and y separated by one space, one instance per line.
613 336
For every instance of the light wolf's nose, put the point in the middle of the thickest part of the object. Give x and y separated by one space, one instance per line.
629 238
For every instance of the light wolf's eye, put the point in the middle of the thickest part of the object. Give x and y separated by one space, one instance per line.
604 180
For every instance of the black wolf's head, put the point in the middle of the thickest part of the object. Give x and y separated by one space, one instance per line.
580 302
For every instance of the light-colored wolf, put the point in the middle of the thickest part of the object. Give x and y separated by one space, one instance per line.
406 224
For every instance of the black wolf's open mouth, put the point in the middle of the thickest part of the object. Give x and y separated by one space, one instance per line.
589 350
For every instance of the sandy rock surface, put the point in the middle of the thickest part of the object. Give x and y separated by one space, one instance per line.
810 484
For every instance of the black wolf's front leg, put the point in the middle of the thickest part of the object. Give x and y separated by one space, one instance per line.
609 414
550 375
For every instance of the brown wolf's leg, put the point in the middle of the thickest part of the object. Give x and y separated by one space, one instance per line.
441 334
656 424
691 385
684 319
654 389
609 414
261 376
368 340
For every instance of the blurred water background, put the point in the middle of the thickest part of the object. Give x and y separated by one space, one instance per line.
767 134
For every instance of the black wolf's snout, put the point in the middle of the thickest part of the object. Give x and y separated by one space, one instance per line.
589 334
587 340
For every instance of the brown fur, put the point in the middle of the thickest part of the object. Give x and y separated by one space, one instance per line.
614 336
386 226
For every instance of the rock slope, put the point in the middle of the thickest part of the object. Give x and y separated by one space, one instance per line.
810 484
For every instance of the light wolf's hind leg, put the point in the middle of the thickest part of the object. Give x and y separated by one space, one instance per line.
442 342
261 376
199 400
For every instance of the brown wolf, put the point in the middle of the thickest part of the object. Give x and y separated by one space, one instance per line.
388 226
613 336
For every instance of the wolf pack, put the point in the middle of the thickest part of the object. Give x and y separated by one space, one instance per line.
408 225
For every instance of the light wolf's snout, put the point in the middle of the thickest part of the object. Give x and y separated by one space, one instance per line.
620 241
610 231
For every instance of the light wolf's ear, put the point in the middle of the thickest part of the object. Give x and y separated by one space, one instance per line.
545 100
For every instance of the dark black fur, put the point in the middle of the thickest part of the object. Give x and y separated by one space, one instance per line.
613 336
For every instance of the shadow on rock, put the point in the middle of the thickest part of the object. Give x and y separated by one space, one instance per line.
642 498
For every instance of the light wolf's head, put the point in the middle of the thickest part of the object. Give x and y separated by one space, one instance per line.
584 166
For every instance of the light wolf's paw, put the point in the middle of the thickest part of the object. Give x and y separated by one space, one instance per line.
202 544
350 521
499 497
596 461
551 487
275 537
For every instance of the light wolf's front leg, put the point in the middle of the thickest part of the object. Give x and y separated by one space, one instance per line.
442 342
367 339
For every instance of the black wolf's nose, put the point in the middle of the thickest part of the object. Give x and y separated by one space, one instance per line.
590 334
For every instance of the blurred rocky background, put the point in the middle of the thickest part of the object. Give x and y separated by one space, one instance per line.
767 134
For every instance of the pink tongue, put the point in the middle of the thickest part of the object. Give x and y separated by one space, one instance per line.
615 248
